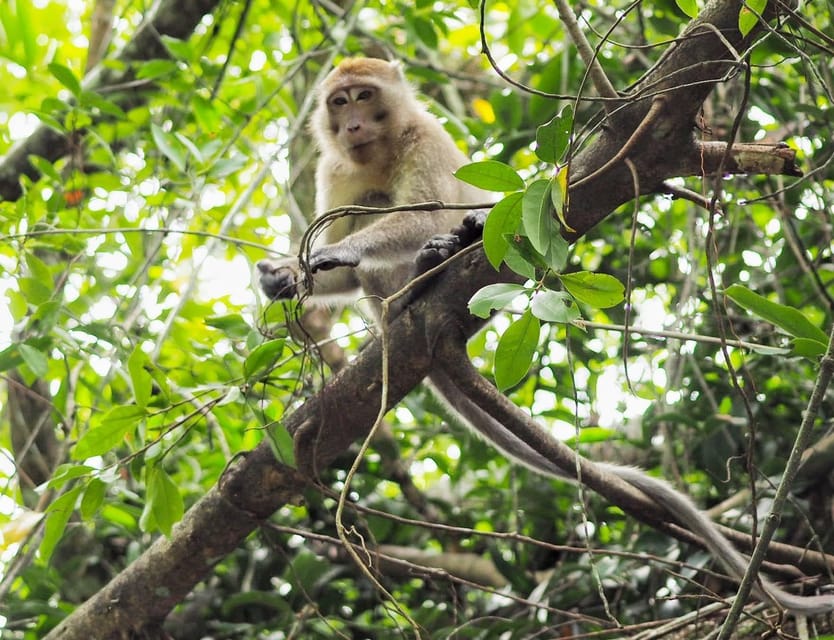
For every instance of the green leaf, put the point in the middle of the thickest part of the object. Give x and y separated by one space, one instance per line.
787 318
556 257
552 138
178 48
805 348
138 365
554 306
93 498
163 500
67 472
46 316
593 435
39 270
110 432
35 291
97 101
192 148
36 360
494 296
169 146
10 358
596 289
45 168
749 14
282 444
490 175
522 258
559 194
26 33
689 7
156 69
425 31
57 515
206 114
262 359
66 77
515 350
503 220
232 325
539 225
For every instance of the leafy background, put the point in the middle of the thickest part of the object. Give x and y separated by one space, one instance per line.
136 345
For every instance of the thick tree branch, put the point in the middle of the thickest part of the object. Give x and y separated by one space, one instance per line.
705 54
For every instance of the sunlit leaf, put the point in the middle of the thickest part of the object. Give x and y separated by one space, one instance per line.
483 109
282 444
66 472
169 146
93 498
539 225
492 297
36 360
787 318
689 7
596 289
749 14
490 175
554 306
262 359
57 516
110 432
515 350
138 366
552 138
559 194
163 499
503 220
232 325
65 76
804 347
19 527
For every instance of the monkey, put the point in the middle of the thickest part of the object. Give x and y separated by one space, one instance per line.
379 146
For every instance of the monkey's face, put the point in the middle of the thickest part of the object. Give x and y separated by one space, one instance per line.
358 121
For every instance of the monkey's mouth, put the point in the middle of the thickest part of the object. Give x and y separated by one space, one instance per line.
361 145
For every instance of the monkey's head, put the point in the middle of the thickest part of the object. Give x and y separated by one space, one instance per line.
361 105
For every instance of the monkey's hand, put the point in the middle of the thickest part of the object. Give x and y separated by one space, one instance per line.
444 246
332 256
278 280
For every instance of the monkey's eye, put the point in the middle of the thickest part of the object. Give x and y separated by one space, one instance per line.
339 101
365 94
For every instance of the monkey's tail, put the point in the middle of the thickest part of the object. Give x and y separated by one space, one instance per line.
679 506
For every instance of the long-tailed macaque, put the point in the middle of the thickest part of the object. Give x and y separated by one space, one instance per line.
380 147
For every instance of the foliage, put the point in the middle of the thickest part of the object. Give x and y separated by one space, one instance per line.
132 317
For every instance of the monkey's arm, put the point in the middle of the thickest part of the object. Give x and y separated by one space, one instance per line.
284 279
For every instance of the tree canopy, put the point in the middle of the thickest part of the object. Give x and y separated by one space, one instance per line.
658 274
